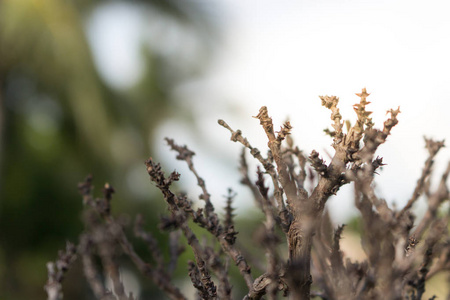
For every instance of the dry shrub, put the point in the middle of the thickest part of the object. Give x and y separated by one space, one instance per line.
402 254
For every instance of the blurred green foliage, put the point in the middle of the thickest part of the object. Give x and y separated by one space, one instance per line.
59 121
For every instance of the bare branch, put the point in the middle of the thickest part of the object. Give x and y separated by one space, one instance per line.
56 271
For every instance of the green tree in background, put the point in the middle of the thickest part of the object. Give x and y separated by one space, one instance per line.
59 121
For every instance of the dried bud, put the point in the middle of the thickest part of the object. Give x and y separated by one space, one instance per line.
318 163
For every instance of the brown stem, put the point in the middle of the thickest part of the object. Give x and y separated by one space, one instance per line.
300 241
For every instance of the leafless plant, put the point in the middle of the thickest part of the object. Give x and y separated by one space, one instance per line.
401 255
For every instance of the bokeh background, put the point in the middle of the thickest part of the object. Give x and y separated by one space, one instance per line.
94 87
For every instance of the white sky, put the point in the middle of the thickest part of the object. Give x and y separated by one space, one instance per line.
283 54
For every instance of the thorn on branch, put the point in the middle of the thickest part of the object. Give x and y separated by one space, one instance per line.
433 146
230 235
329 132
412 243
284 132
376 163
264 119
155 172
392 121
356 132
331 103
318 163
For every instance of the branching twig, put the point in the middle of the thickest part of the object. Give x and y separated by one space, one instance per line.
56 271
236 136
433 148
